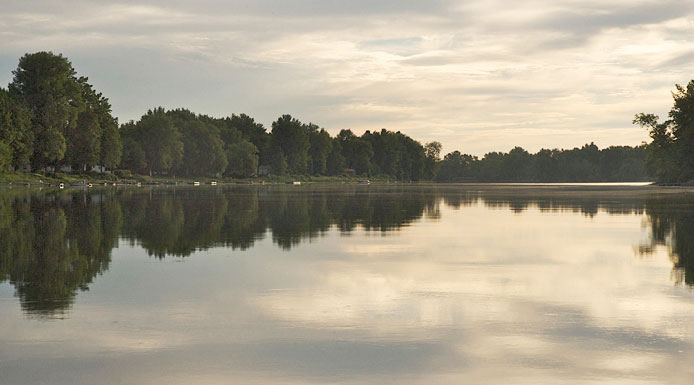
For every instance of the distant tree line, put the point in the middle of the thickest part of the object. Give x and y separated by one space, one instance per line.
585 164
51 118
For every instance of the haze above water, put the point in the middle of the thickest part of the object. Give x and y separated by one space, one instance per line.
347 284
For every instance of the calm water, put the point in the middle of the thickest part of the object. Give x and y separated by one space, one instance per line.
347 284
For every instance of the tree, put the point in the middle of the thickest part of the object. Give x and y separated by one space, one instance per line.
111 145
251 131
682 116
160 141
516 165
319 150
15 132
455 167
83 141
133 157
661 157
356 151
278 162
243 159
47 85
290 138
432 150
670 155
203 148
335 163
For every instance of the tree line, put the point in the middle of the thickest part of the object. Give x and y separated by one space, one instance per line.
585 164
51 118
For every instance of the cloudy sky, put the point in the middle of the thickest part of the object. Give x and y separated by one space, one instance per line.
477 76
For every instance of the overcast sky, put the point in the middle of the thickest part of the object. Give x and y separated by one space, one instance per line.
477 76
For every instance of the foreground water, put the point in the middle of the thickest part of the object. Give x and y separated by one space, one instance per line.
347 284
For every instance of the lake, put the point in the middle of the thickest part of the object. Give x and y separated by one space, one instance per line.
384 284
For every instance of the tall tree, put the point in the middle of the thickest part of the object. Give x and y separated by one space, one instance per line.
356 151
661 156
15 133
319 150
432 154
243 159
253 132
335 163
83 141
160 141
682 115
133 157
290 138
203 149
47 85
111 145
455 167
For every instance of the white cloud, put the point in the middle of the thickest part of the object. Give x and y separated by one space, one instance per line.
477 76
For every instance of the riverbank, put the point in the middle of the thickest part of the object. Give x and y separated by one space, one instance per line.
37 180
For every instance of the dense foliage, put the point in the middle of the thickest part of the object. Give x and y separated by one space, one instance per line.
585 164
51 118
670 156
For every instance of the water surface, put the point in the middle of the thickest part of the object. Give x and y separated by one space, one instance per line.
347 284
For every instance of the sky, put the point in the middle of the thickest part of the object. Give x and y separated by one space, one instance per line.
477 76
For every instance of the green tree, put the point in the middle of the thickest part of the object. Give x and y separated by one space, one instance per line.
319 150
290 138
83 141
432 154
243 159
670 155
111 144
682 116
335 163
516 165
456 167
278 162
160 141
47 85
133 157
661 155
356 151
253 132
203 148
15 132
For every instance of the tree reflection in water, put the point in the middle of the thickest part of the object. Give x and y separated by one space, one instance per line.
53 244
672 225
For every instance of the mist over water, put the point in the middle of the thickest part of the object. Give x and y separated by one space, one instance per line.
347 284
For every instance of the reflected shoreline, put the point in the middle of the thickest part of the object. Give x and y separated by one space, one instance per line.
54 243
